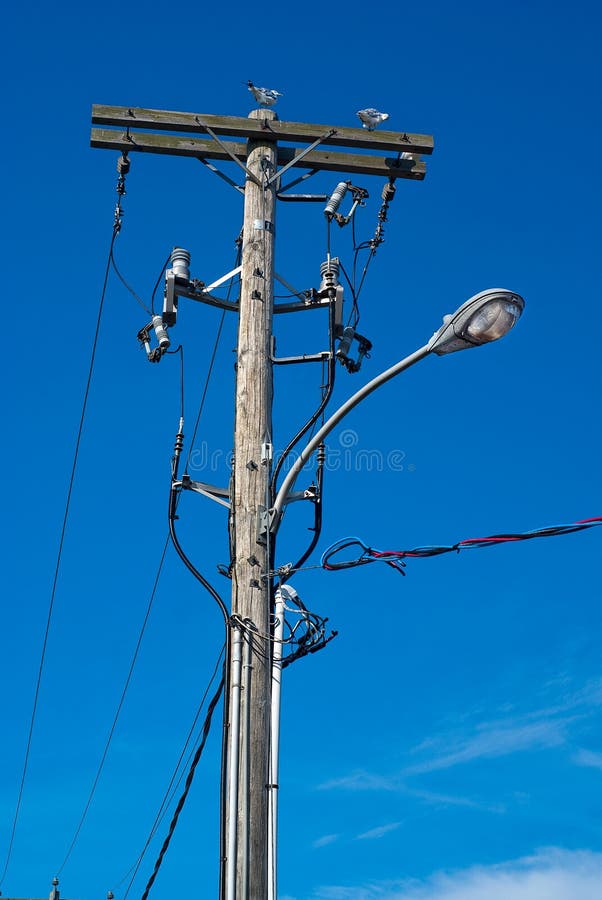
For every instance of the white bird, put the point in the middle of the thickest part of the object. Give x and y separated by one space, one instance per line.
264 96
371 117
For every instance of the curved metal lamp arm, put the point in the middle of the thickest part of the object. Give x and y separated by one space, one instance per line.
288 483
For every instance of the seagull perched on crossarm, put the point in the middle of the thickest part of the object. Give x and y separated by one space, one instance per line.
264 96
371 117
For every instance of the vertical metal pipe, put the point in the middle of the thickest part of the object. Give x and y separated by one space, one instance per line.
247 677
233 762
279 598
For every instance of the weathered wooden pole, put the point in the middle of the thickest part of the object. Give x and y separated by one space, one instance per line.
251 599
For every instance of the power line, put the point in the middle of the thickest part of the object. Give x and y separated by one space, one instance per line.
116 228
189 780
179 350
395 558
118 711
212 361
128 288
172 786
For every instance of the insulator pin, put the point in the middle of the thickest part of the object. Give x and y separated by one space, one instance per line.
388 192
336 198
345 343
123 164
180 263
329 270
161 333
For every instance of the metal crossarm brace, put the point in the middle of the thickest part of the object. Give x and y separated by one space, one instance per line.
207 490
230 153
221 175
302 155
290 288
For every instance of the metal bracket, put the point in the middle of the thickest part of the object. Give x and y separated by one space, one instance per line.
298 180
295 161
303 198
309 493
221 175
264 524
300 294
221 280
227 150
207 490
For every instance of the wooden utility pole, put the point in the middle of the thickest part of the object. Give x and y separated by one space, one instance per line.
200 136
251 600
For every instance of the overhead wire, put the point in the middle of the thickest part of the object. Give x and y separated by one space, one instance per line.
115 232
211 365
127 286
179 350
174 497
131 667
118 711
158 282
395 558
187 786
173 785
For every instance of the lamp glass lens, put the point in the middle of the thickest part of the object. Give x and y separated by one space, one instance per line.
493 321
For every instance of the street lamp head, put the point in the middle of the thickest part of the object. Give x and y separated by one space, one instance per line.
485 317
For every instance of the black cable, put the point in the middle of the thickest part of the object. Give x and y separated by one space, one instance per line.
173 784
157 283
187 562
205 583
211 362
179 350
317 529
355 308
119 707
223 791
60 548
189 780
323 403
128 287
205 388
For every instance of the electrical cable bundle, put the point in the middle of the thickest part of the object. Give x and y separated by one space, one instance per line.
395 558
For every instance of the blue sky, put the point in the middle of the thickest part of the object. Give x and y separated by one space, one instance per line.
448 743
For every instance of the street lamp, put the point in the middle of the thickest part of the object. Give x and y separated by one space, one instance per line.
486 317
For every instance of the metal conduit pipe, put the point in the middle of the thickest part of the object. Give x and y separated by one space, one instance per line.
233 762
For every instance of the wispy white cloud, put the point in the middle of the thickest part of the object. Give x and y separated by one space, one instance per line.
378 832
494 739
434 798
550 726
551 874
542 728
588 758
364 781
325 840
